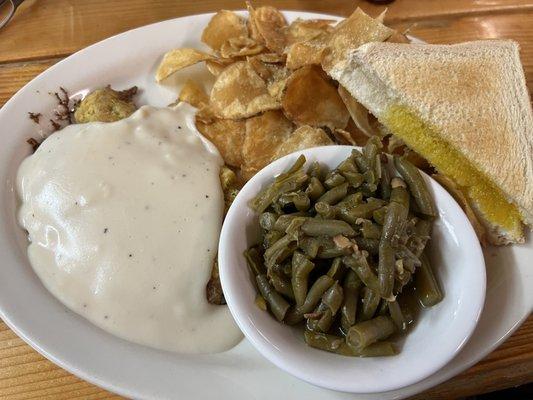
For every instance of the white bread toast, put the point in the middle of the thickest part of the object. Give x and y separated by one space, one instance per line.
473 95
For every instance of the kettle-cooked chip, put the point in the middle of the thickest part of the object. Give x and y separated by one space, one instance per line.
239 47
311 98
302 138
358 112
215 67
239 92
193 94
264 134
269 23
227 136
177 59
302 30
310 52
223 26
349 34
343 137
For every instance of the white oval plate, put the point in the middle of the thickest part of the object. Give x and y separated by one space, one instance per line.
143 373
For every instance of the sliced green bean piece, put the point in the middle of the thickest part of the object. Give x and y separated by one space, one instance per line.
427 288
337 345
325 210
417 186
283 221
371 301
277 253
365 333
315 189
301 267
310 246
282 285
334 195
359 264
326 227
397 316
267 220
348 165
294 228
260 302
351 214
355 179
271 237
315 294
337 269
350 287
254 261
314 170
351 200
334 178
370 245
369 230
379 215
383 308
322 318
299 199
328 249
277 304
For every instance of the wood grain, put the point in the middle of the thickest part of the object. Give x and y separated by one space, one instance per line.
43 32
56 28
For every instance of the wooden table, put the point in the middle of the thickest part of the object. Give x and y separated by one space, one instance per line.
44 32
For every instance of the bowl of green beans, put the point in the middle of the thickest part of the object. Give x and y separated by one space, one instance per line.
351 269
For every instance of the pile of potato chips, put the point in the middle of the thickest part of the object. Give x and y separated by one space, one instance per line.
272 94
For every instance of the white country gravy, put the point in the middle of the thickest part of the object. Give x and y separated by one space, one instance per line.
124 220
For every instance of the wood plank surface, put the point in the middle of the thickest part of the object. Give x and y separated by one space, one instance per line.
55 28
45 31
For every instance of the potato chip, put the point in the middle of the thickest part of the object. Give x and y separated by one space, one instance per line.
252 26
358 112
343 137
381 17
215 67
177 59
302 138
398 37
349 34
264 134
239 92
302 30
193 94
206 115
269 23
272 58
274 75
356 134
227 136
311 98
239 47
223 26
310 52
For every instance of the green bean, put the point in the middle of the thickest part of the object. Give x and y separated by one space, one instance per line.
315 189
350 287
267 220
326 227
334 195
418 241
384 183
351 200
328 249
337 269
325 210
294 228
369 229
417 186
371 301
278 305
282 285
260 302
355 179
301 267
322 318
310 246
334 178
371 153
360 161
397 316
283 221
271 237
293 316
379 215
383 308
314 170
369 245
278 252
254 261
369 189
359 264
315 294
427 287
347 165
365 333
337 345
299 199
351 214
292 180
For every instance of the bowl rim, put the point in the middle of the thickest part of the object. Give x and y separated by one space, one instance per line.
264 346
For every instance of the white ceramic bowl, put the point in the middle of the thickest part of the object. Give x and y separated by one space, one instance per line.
437 336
